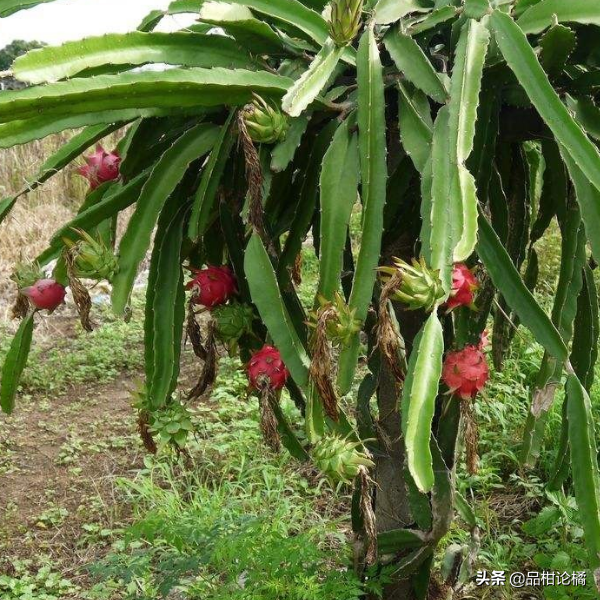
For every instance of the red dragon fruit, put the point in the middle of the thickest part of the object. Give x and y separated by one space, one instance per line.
100 167
213 286
267 370
464 286
466 372
46 294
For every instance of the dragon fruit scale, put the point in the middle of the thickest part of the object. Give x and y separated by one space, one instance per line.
464 286
45 294
266 369
100 167
212 286
466 372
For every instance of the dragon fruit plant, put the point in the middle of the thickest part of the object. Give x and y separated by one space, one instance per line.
460 129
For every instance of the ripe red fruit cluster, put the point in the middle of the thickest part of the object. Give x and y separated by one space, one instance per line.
267 370
464 286
213 286
46 294
466 372
100 167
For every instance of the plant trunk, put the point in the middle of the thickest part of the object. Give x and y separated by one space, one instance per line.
392 508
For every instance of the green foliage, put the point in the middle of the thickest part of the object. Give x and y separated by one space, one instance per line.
501 143
240 524
43 584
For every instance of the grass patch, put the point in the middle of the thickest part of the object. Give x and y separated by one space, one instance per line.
242 523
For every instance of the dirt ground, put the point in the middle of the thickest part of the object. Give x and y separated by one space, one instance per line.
58 466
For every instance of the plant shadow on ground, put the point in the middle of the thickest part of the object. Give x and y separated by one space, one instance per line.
86 516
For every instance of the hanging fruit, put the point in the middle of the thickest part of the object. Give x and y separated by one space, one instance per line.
466 372
418 286
212 286
46 294
100 167
464 286
266 370
340 459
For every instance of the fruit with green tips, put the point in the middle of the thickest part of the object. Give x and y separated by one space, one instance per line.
266 124
345 20
419 287
340 459
92 258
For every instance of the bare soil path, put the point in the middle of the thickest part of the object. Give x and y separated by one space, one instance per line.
59 460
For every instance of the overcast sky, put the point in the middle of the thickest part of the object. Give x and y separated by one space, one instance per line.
73 19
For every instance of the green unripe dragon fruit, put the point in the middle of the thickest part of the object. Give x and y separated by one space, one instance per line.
345 20
342 324
340 459
92 258
233 321
418 285
265 123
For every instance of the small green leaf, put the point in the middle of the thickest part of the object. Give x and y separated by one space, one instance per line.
238 21
10 7
418 401
476 9
542 15
151 21
284 151
557 45
416 131
415 65
433 20
396 540
390 11
313 80
587 114
14 363
299 17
